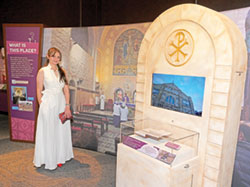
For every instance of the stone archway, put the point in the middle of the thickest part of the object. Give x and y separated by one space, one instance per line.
192 40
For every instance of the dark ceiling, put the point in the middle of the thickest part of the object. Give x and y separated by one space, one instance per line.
76 13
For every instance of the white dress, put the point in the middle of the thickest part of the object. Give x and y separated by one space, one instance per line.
53 139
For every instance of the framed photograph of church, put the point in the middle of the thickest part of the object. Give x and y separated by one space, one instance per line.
178 93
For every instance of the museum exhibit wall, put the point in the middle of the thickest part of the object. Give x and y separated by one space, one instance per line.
98 53
241 176
95 12
189 40
88 56
99 61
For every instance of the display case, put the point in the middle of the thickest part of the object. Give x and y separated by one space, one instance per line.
126 129
148 150
181 142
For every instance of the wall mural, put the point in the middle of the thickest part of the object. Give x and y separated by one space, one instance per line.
126 51
241 175
101 67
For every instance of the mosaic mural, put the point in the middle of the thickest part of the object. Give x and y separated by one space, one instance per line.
126 52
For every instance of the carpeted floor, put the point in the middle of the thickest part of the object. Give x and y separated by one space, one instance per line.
88 168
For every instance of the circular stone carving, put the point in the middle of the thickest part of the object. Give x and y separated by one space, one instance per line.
179 47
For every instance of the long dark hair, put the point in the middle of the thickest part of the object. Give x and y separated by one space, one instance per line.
52 51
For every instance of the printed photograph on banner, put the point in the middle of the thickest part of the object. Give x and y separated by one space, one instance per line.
241 167
101 67
178 93
18 93
25 106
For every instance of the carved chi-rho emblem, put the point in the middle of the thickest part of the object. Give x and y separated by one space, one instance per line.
179 47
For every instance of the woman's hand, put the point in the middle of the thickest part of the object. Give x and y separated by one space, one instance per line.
67 111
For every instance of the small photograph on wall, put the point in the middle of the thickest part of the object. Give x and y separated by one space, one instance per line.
19 93
178 93
25 106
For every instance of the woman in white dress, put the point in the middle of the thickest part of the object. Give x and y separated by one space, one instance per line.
53 145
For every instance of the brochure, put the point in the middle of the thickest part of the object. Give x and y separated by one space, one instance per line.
150 150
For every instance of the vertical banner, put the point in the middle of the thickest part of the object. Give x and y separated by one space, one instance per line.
23 59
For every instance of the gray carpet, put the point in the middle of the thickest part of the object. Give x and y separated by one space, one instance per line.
87 168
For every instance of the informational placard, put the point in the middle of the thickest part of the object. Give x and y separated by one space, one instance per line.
23 59
149 150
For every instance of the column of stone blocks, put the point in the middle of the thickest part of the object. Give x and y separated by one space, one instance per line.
140 84
219 141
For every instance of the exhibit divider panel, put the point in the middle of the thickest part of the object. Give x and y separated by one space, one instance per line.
23 59
190 73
